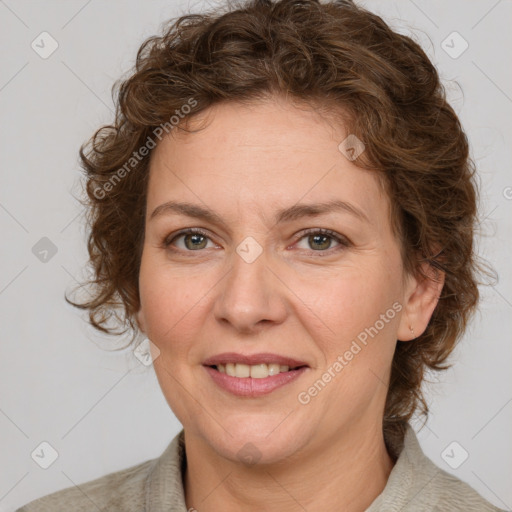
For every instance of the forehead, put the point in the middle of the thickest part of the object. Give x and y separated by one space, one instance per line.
260 154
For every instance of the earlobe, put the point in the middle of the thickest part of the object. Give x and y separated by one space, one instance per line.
420 301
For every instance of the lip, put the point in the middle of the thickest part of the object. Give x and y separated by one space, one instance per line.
253 359
250 387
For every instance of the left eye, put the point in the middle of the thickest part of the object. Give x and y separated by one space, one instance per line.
321 240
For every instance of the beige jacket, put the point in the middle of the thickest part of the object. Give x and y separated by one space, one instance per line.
415 484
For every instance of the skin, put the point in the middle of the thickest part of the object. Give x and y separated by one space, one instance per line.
300 298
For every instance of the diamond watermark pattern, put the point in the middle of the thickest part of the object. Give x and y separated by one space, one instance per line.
249 454
44 45
44 455
44 249
351 147
146 352
249 249
454 455
454 45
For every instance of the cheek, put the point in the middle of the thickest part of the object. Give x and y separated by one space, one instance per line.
353 300
360 313
168 303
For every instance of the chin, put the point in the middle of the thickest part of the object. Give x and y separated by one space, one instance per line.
251 440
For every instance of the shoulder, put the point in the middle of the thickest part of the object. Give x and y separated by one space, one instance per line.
452 494
119 491
154 484
416 484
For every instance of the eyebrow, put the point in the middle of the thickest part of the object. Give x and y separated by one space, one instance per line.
292 213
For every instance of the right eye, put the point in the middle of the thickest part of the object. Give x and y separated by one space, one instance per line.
194 239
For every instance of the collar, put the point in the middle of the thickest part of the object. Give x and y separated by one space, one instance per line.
412 473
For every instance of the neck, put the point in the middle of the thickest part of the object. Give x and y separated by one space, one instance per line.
348 474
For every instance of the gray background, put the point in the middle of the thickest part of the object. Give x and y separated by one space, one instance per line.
104 411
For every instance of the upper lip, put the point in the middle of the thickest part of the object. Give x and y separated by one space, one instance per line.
252 359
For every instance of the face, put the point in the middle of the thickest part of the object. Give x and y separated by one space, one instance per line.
264 274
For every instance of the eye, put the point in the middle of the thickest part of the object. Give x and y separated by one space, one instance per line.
320 240
194 239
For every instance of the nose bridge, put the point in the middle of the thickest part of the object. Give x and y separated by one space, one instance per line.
250 295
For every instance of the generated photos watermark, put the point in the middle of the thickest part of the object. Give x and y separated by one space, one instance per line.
361 341
101 191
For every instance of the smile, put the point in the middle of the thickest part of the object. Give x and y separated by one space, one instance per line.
256 371
253 375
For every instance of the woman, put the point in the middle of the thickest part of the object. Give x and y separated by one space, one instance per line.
285 207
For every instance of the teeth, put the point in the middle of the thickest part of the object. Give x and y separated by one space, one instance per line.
242 370
256 371
259 371
274 369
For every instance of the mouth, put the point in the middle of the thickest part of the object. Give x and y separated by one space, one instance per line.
255 371
253 375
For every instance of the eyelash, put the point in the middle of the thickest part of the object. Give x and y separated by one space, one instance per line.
342 241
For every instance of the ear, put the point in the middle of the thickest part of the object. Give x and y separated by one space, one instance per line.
421 296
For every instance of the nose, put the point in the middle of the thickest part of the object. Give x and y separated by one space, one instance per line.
251 296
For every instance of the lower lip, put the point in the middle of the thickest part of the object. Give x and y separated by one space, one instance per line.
247 386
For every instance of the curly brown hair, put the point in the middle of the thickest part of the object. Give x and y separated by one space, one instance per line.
328 54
